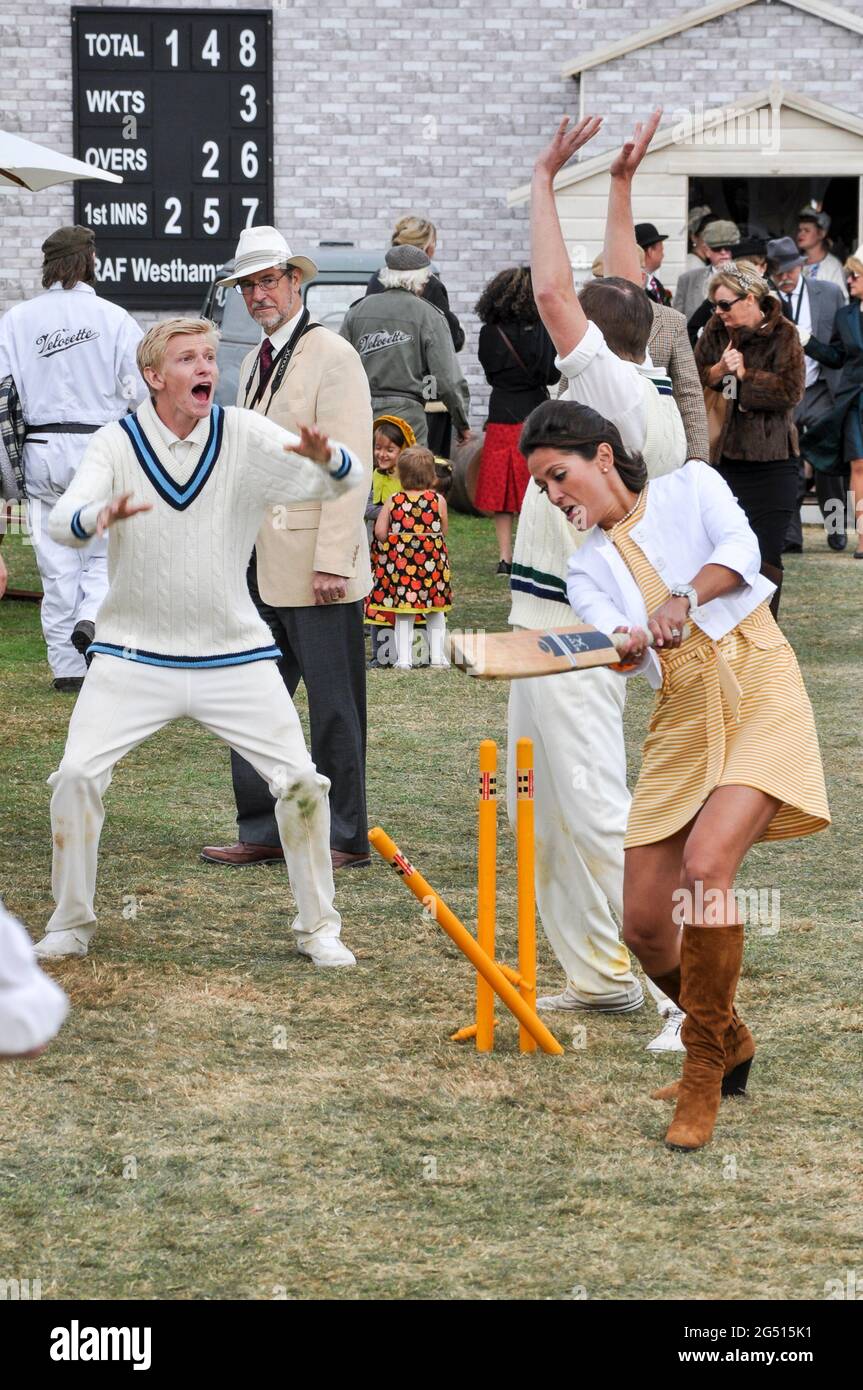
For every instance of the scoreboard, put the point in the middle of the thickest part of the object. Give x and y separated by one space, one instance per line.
179 103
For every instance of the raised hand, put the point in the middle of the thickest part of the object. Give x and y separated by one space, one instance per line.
313 445
633 150
119 510
565 143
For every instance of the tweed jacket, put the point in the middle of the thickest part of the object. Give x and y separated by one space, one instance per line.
670 350
691 290
324 385
758 424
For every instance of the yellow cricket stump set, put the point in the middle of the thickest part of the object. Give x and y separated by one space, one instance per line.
515 989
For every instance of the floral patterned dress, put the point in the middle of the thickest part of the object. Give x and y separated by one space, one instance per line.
411 567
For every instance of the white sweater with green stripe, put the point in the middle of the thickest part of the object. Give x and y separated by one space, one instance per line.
178 594
639 400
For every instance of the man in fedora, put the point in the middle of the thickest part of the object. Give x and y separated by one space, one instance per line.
718 236
309 572
811 305
71 355
652 244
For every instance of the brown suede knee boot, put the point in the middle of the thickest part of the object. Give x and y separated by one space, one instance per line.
710 960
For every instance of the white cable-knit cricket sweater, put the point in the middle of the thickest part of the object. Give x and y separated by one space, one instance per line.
178 594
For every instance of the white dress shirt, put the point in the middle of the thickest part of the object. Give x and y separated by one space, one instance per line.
801 313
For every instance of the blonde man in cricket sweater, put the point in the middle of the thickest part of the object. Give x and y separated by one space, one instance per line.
184 487
576 723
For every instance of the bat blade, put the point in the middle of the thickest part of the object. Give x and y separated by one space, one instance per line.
518 655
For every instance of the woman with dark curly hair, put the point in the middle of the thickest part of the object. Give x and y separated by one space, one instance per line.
517 356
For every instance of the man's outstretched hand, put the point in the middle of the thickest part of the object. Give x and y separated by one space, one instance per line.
565 143
313 445
633 150
119 510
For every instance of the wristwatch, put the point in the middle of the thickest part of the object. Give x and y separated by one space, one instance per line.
686 591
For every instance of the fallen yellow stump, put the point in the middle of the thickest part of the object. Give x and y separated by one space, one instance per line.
461 937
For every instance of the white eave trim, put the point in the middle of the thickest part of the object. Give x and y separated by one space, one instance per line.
692 18
774 96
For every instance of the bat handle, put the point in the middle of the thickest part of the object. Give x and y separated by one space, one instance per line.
620 639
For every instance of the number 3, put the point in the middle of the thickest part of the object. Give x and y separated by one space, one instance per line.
250 110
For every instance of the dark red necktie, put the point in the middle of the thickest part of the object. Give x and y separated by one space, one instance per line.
265 357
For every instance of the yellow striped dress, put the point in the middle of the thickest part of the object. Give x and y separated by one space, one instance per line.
728 714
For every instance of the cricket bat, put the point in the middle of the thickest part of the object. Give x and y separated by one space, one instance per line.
514 655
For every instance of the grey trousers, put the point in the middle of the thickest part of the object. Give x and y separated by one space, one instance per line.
324 647
828 486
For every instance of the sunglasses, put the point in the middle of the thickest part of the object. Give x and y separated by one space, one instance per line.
724 305
852 275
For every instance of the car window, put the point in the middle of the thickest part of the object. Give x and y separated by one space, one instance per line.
329 303
236 322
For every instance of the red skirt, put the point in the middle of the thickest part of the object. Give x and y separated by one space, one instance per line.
503 472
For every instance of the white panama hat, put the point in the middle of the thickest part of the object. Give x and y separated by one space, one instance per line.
262 248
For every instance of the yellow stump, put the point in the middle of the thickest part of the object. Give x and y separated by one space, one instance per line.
526 887
486 887
461 937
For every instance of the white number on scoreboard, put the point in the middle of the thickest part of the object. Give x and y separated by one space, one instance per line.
174 207
211 166
210 51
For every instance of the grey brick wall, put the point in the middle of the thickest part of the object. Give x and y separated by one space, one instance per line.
388 107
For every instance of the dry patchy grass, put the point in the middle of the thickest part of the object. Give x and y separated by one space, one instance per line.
219 1120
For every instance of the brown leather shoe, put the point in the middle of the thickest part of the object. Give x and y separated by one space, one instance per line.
239 854
342 859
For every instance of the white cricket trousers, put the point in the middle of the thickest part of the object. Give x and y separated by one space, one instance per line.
581 805
74 583
122 703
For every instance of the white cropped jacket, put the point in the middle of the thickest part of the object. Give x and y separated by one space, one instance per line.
692 519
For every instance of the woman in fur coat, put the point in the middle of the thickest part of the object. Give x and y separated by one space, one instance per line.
750 354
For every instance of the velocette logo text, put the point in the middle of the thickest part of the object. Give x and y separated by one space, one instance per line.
61 339
373 342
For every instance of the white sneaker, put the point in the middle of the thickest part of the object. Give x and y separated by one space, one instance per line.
326 951
624 1002
669 1040
56 944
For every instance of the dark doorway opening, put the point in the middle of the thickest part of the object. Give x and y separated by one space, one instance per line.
768 207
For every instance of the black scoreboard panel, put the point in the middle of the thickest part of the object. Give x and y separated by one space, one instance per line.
179 103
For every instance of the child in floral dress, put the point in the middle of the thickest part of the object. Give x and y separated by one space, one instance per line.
410 560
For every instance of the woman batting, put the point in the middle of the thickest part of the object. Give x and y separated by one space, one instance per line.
676 558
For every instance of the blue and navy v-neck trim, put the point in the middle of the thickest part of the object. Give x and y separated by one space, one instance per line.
177 496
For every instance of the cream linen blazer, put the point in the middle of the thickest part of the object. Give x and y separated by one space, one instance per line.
325 385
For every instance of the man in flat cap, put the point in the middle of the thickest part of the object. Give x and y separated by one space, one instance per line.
718 236
72 358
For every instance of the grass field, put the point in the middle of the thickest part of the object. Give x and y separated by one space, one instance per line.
219 1120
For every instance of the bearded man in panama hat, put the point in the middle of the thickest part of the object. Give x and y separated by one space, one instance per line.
309 572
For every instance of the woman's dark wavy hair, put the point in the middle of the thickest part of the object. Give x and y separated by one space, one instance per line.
576 429
508 298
